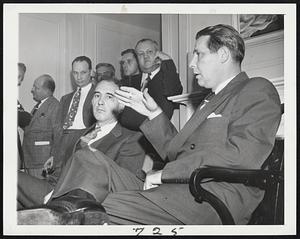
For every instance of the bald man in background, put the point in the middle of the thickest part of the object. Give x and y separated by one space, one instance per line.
43 128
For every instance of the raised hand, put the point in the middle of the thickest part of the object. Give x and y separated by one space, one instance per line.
162 56
139 101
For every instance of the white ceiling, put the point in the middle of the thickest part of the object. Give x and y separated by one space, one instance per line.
151 21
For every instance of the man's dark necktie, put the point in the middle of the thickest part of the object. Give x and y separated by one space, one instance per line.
146 81
73 110
35 108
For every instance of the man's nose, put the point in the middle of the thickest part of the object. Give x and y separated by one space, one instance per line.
193 62
100 101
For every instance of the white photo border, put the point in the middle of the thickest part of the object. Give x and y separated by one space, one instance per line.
10 58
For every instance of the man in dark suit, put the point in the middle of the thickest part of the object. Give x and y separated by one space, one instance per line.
234 128
43 129
75 114
158 74
113 142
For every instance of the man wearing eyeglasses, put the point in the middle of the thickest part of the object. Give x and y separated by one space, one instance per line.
158 75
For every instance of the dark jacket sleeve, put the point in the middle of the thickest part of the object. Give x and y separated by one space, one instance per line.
23 118
131 119
171 81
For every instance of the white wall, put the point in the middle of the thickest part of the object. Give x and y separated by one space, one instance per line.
49 42
41 48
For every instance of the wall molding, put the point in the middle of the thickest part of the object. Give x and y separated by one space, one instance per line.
264 39
198 95
265 64
278 81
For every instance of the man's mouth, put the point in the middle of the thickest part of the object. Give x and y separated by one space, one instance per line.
99 110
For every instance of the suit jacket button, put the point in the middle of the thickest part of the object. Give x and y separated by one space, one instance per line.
192 146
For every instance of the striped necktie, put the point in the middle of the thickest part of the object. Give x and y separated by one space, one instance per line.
84 140
73 110
145 82
35 108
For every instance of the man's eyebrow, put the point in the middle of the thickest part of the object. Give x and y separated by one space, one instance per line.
109 93
96 92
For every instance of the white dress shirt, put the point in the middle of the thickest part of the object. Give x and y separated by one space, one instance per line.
42 101
78 120
145 75
223 84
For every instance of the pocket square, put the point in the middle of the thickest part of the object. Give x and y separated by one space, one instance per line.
213 115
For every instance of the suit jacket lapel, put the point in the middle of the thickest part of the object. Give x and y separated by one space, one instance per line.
105 142
41 110
66 106
87 107
201 114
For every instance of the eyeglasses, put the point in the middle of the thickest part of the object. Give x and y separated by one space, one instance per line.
143 53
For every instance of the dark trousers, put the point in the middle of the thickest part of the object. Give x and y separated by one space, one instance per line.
66 145
31 190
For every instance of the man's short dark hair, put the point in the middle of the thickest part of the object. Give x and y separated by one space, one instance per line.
224 35
130 50
83 58
108 65
113 79
48 83
150 40
22 66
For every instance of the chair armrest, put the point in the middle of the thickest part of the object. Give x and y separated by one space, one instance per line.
249 177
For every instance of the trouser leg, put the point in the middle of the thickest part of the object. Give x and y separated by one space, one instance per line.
31 190
130 207
96 174
66 146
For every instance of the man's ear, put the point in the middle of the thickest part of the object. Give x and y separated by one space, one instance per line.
121 107
224 54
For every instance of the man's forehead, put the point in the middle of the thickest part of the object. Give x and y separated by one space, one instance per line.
106 87
201 42
103 68
80 64
39 81
128 55
145 45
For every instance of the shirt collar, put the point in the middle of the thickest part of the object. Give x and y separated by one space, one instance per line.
42 101
222 85
153 73
85 88
107 127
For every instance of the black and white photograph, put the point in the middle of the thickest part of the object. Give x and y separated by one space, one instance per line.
149 119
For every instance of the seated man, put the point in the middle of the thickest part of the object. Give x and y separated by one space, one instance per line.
112 141
235 127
